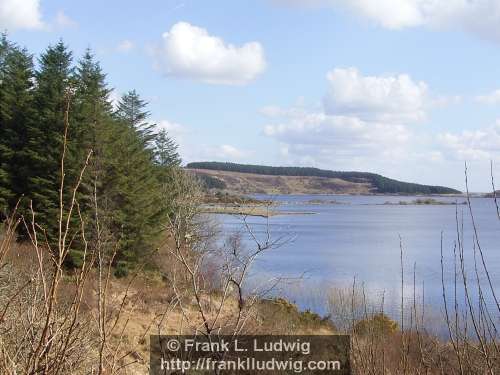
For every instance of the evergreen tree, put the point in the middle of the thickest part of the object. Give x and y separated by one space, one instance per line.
132 111
132 168
5 190
92 107
133 186
167 161
166 154
91 115
45 136
17 112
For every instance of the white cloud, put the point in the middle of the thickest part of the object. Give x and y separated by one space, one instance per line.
339 136
231 152
190 52
491 98
20 14
64 21
125 46
180 135
223 152
399 151
189 151
481 17
365 123
470 145
375 98
397 14
175 130
114 98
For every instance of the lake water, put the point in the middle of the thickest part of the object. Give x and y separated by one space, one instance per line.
359 237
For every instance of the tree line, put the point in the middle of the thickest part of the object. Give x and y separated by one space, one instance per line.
380 183
65 106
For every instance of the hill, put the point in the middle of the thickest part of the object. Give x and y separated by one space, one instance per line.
255 179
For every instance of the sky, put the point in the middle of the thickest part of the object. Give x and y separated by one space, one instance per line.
409 89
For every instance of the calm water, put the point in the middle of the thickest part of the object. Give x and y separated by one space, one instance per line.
360 238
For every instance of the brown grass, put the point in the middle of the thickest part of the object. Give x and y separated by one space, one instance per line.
248 183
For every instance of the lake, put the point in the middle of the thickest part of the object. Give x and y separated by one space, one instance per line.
358 237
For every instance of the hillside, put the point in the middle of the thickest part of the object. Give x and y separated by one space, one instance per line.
258 179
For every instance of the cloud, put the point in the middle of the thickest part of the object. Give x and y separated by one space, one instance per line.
339 137
223 152
480 17
364 123
64 21
471 145
231 152
114 98
17 15
383 98
125 46
179 134
175 130
190 52
491 98
189 151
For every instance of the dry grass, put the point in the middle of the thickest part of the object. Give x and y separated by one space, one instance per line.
55 321
248 183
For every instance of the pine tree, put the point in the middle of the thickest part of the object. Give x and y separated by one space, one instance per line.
16 112
5 191
166 154
91 102
136 188
91 118
92 114
45 136
131 168
167 161
132 111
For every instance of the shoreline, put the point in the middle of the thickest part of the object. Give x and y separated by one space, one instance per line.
254 210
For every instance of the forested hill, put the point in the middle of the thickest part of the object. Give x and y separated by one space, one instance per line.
378 184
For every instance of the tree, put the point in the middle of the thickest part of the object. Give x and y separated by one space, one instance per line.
91 118
133 189
16 111
18 102
45 135
60 108
5 191
167 161
132 111
166 154
92 108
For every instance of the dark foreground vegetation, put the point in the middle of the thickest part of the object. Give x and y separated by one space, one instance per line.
111 152
380 184
103 243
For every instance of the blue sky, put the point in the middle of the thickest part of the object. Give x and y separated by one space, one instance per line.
405 88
